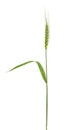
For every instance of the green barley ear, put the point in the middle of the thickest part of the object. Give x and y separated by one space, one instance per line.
46 33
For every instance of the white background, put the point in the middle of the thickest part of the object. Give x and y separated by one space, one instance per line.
22 92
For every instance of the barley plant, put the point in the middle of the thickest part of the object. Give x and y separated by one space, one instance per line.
41 69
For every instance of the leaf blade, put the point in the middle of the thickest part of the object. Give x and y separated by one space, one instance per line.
20 65
42 71
39 66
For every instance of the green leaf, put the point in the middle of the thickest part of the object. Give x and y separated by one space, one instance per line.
21 65
42 71
39 66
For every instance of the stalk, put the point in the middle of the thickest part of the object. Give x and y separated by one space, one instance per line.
46 91
46 46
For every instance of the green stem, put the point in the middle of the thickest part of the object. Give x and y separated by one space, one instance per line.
46 91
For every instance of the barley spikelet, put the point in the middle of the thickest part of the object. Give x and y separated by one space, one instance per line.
46 34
